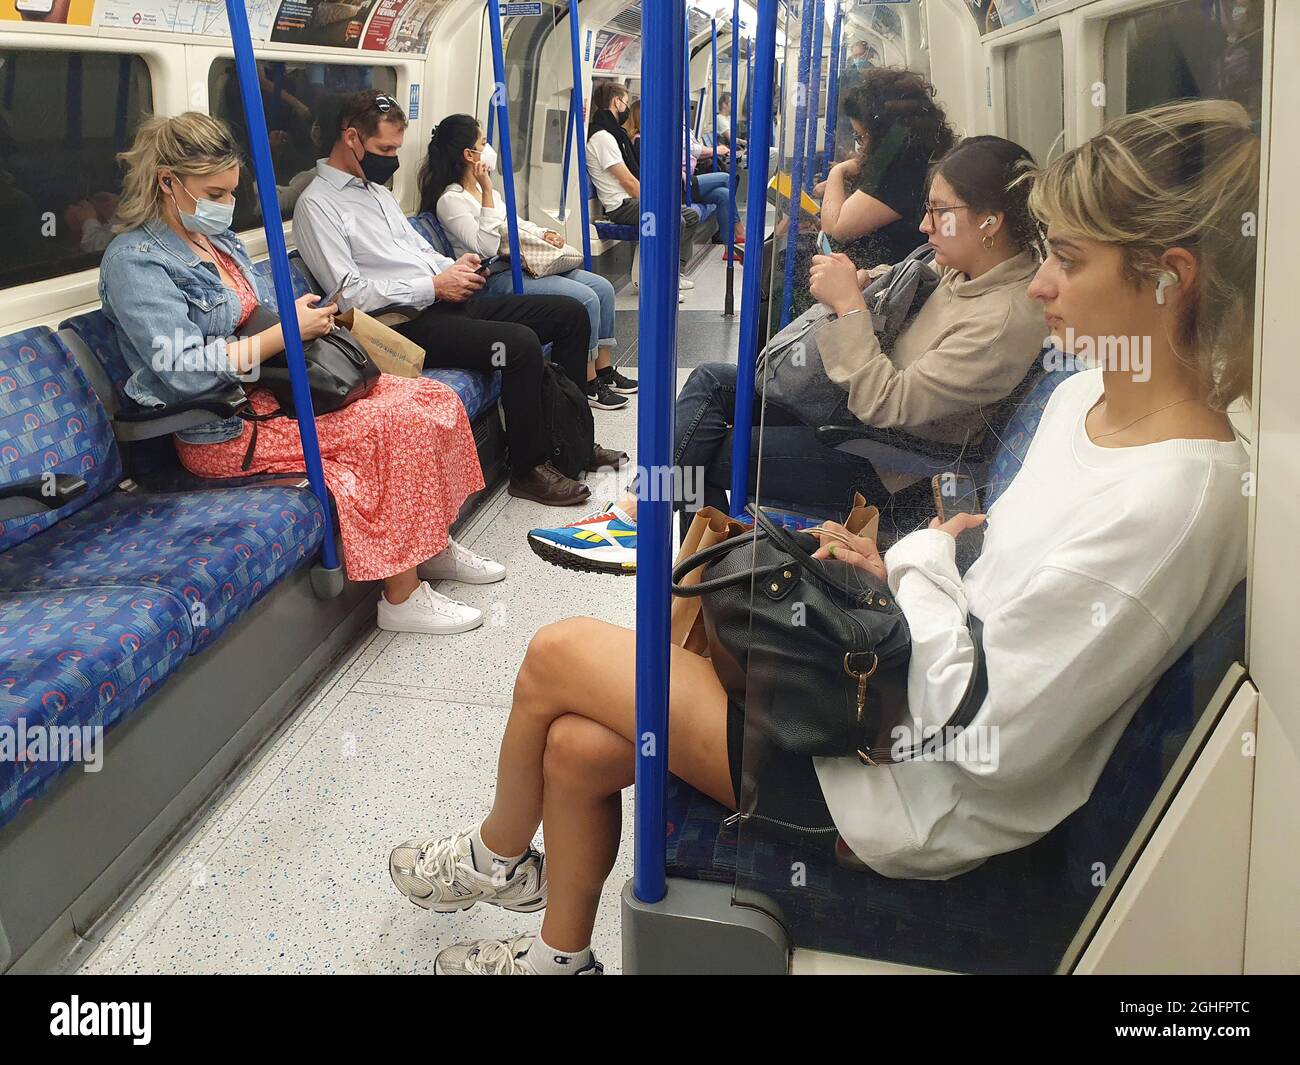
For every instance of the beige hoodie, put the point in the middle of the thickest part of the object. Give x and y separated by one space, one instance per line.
970 344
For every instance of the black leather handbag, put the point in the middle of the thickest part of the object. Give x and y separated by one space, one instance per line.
339 372
818 654
338 369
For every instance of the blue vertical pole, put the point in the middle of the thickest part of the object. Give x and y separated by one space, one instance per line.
578 106
729 305
663 49
796 176
568 156
814 94
686 112
501 99
250 90
833 90
715 93
760 146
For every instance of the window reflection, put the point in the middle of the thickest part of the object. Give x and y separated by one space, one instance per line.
64 116
291 93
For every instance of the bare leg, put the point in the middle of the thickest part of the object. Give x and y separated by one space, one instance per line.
583 668
398 588
604 356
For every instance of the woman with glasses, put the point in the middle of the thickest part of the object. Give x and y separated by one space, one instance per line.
871 202
968 346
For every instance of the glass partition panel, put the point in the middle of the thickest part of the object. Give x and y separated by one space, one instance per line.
898 801
1035 87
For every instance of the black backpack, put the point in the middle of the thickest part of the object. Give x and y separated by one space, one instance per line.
566 416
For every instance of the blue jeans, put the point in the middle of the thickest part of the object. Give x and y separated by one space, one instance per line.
591 290
715 189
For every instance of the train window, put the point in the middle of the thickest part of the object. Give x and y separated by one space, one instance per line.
1186 49
290 93
1035 94
64 116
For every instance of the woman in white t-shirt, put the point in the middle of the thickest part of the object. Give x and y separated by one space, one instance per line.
456 185
1119 540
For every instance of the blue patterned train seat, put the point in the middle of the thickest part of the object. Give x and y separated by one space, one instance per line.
427 225
103 598
303 282
82 657
215 552
477 391
50 423
100 338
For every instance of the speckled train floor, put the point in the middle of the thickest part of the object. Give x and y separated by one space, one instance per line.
288 871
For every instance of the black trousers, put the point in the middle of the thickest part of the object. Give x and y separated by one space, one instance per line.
506 333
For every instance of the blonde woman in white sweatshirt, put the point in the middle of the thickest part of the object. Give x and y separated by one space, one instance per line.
1118 541
456 185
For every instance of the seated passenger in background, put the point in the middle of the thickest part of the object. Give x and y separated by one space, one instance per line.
456 185
970 344
714 188
613 161
352 232
872 202
1129 506
399 462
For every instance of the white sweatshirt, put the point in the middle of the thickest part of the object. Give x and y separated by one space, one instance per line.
1100 567
471 227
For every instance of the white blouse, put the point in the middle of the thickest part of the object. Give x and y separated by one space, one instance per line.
471 227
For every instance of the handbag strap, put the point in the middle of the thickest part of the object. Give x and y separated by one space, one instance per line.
977 690
709 554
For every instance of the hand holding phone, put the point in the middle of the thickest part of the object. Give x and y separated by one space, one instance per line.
824 243
954 493
333 297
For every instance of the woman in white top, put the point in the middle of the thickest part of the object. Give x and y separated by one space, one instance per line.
1119 540
456 185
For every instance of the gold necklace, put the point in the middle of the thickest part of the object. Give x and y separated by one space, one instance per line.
1102 436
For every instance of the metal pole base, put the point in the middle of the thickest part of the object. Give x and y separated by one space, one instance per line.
695 930
327 583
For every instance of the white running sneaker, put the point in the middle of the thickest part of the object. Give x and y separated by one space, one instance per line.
439 875
459 563
497 957
685 283
428 612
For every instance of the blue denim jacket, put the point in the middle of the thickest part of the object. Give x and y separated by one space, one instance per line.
173 316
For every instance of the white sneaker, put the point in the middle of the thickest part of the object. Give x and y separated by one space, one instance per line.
497 957
459 563
439 875
429 612
684 283
681 294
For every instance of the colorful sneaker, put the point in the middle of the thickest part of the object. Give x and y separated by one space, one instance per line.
497 957
601 543
439 875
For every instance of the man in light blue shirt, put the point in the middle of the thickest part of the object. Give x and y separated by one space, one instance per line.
352 232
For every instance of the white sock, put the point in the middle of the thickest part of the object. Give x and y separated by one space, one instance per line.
622 514
486 860
547 961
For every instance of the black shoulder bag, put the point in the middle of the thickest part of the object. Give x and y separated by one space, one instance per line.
818 654
339 372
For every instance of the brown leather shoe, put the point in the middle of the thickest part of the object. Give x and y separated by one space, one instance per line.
547 485
602 458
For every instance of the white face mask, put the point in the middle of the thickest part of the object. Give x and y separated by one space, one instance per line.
488 157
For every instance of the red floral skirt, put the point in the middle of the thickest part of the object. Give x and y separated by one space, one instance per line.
399 464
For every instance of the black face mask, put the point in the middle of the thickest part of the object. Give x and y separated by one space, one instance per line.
379 168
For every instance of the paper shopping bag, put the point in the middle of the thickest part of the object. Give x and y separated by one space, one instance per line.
710 526
391 351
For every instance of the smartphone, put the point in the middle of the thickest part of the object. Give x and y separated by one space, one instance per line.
484 266
35 7
954 493
824 242
333 297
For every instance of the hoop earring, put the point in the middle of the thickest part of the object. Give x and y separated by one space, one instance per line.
987 241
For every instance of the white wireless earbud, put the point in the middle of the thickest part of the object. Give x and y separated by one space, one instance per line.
987 222
1165 280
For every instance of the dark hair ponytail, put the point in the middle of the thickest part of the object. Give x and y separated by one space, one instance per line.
994 174
444 164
